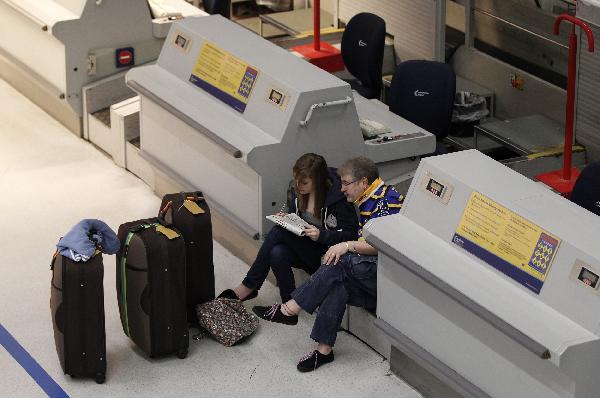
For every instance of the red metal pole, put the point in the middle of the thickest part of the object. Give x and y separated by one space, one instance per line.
568 146
317 24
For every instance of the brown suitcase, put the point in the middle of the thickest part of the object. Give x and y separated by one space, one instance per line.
151 287
196 228
77 305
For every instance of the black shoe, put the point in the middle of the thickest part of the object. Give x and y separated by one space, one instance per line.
230 294
273 314
252 295
313 360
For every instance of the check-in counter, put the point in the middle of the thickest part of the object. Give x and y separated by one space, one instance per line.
51 49
229 113
490 283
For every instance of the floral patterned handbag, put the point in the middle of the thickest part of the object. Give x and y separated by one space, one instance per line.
226 320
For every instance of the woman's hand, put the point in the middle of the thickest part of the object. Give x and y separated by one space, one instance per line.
334 253
312 232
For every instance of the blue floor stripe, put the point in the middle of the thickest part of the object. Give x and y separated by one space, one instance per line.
37 373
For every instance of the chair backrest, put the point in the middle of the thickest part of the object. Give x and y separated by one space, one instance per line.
362 50
422 92
222 7
586 192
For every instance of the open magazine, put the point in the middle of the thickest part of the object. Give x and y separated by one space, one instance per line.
292 222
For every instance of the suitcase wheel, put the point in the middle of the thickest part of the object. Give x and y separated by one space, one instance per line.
182 353
100 378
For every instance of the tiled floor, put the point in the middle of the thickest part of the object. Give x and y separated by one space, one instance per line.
49 180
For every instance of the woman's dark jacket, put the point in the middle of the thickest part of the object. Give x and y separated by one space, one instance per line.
338 216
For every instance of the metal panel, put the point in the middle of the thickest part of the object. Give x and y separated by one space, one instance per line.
476 351
589 12
361 324
521 30
537 97
415 365
103 93
39 91
232 150
183 148
414 24
17 33
587 128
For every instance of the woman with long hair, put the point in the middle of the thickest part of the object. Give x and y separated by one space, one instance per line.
317 198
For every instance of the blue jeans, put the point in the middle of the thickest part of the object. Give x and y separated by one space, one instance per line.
281 251
353 281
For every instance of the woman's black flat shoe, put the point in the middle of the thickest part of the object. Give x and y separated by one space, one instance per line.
230 294
272 313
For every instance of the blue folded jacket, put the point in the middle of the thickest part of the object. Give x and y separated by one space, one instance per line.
84 238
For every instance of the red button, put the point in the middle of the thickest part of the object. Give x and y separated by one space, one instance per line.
125 57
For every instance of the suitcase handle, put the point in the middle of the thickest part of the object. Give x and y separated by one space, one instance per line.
169 204
52 269
163 212
141 227
53 260
195 197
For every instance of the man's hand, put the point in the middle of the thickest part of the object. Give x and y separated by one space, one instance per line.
334 253
312 232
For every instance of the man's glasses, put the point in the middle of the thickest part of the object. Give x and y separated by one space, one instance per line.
346 183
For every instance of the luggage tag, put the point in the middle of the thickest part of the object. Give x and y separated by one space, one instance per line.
192 207
169 233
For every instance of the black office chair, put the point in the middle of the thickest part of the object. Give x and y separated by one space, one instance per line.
586 192
362 50
222 7
422 92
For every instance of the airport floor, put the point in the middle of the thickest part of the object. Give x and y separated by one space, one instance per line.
49 180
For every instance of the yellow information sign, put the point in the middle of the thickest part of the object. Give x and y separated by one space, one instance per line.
224 76
507 241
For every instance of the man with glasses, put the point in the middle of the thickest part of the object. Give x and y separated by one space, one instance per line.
348 274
